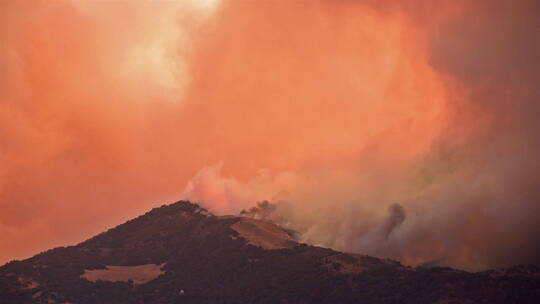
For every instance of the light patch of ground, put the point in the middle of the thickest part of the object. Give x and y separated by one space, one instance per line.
28 283
138 274
263 234
37 294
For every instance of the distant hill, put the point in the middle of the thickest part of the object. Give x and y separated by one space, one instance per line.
180 253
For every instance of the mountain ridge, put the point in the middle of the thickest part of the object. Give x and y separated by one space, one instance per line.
183 253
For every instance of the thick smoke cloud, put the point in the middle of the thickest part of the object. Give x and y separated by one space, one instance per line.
85 88
470 196
404 130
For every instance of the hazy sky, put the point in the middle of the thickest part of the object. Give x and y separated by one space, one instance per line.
405 130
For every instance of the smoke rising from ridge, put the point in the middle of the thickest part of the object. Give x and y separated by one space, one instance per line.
333 110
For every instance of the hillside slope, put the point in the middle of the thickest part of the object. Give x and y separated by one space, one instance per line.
180 253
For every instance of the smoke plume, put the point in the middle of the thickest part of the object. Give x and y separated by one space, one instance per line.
400 129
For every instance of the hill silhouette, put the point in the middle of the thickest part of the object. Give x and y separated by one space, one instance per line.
181 253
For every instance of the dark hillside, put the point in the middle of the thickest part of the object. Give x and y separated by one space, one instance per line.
181 253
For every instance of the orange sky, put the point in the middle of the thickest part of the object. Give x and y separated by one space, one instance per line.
338 109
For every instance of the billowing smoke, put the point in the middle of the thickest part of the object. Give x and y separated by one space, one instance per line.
404 130
396 216
263 210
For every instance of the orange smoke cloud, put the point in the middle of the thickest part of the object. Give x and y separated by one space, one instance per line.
83 92
337 110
